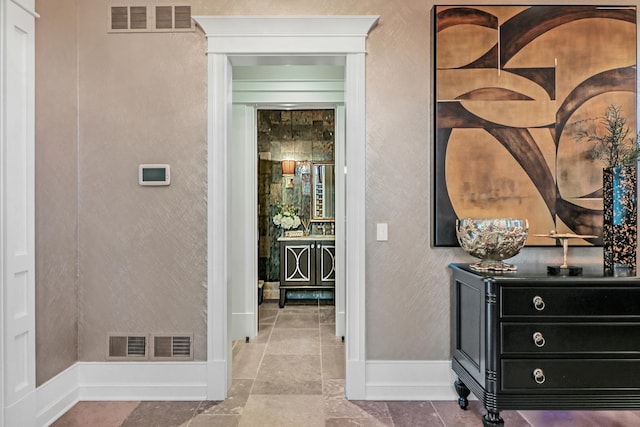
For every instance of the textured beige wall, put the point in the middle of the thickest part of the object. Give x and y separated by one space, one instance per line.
407 281
142 251
56 181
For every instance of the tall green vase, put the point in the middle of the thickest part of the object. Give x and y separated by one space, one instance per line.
620 234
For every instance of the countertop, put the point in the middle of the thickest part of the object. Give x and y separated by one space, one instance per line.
309 237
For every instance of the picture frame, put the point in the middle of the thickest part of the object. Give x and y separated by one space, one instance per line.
510 82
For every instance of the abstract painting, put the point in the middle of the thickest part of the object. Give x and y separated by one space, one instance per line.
510 83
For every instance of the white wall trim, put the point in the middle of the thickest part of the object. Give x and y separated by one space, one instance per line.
57 396
28 6
218 303
243 224
186 381
243 325
142 380
291 35
410 380
340 222
247 40
98 381
355 263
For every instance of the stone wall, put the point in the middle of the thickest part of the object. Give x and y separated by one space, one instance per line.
304 136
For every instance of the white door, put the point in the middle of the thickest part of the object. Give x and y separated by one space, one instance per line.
17 217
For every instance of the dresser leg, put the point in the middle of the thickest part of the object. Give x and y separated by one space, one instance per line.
283 297
463 392
492 419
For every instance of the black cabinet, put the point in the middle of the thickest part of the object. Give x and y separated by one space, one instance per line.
306 264
526 340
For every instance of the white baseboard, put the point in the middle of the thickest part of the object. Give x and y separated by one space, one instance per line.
341 324
93 381
218 380
355 387
243 325
143 380
57 396
410 380
20 413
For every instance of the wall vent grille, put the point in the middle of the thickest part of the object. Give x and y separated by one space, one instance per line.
182 18
173 347
164 17
119 18
138 17
127 347
151 18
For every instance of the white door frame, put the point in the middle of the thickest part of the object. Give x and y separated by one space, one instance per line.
236 40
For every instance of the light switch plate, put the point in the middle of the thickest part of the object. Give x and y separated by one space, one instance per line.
382 232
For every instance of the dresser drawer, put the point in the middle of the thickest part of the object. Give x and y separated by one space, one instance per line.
605 301
576 338
610 374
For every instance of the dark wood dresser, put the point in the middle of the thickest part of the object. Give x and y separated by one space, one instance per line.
528 340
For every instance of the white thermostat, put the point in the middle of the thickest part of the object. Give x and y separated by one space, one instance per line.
154 175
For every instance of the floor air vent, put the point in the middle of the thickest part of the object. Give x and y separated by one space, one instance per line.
173 347
127 347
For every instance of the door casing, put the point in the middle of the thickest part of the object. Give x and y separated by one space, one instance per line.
285 40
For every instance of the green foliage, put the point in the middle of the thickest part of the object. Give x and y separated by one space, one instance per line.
610 137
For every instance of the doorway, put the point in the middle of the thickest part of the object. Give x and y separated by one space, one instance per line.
300 335
297 203
234 41
292 93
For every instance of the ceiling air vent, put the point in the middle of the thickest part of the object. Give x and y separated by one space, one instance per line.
127 347
173 347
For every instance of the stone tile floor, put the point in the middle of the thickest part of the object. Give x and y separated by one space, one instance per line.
292 374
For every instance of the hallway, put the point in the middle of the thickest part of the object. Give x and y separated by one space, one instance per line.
293 375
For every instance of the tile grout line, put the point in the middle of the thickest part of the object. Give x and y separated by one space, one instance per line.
263 354
437 413
525 418
322 378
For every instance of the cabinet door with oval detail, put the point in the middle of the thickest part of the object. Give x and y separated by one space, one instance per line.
298 263
326 263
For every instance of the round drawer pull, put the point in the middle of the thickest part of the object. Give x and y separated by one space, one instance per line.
538 339
538 303
538 375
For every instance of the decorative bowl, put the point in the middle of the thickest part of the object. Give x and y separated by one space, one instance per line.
492 240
